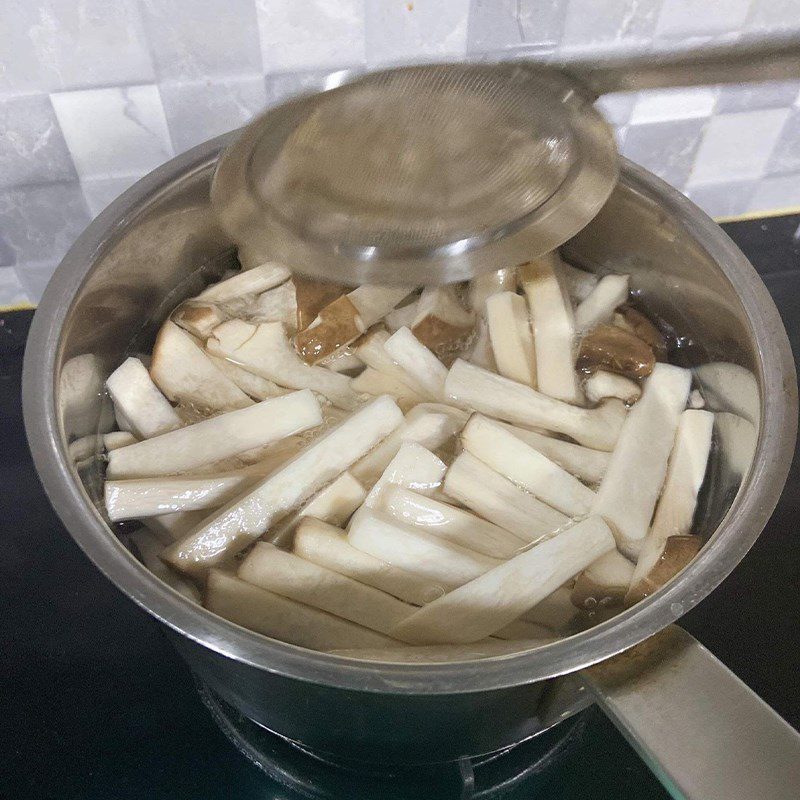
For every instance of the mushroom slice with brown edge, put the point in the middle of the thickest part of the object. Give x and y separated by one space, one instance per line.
150 549
345 319
677 553
676 506
602 385
370 381
583 462
511 337
553 328
502 594
323 544
447 522
416 550
418 361
372 351
185 374
638 324
632 483
231 529
578 282
145 410
280 618
510 401
219 437
334 504
199 319
442 324
413 467
603 583
265 350
497 499
251 281
598 308
311 297
610 348
499 449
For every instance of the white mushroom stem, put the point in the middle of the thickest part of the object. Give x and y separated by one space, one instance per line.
430 425
371 349
511 337
603 583
198 319
417 361
287 620
290 576
247 517
578 282
556 611
553 328
602 385
497 499
87 447
678 501
174 526
413 467
401 317
737 439
416 550
185 374
370 381
373 303
334 504
139 402
514 402
481 353
696 399
327 546
116 439
255 386
150 548
343 360
276 305
632 483
511 457
219 437
483 286
502 594
265 350
447 522
442 653
729 387
251 281
583 462
598 308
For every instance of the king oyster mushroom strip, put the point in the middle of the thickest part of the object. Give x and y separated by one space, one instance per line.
352 490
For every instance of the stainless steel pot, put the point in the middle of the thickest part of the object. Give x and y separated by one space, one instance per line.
140 256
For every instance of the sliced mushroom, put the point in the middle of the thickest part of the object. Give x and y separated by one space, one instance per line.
638 324
447 522
418 361
343 360
502 594
598 308
442 324
676 506
150 548
511 337
677 553
80 397
327 546
556 611
230 530
632 483
486 492
219 437
583 462
729 387
610 348
514 402
276 305
371 349
413 467
171 527
255 386
251 281
265 350
199 319
116 439
185 374
401 317
553 327
416 550
296 623
370 381
604 583
578 282
483 286
290 576
480 353
696 399
312 296
602 385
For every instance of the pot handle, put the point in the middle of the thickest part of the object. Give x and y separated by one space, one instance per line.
703 733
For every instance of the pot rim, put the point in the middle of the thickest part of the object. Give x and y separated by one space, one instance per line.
734 536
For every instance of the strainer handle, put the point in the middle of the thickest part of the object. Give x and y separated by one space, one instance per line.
703 733
772 59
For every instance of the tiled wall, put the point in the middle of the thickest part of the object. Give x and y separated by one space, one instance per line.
95 93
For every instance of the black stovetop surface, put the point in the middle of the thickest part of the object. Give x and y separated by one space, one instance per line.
94 703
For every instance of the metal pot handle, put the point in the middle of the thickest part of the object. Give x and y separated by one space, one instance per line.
703 733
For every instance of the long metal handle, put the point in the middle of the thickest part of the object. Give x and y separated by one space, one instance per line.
776 58
703 732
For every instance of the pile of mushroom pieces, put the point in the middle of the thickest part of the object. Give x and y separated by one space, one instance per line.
412 474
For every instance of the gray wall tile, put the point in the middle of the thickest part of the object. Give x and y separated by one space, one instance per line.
12 292
99 192
785 156
725 199
778 193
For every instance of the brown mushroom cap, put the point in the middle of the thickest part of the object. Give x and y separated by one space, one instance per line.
616 350
312 297
340 323
639 325
678 552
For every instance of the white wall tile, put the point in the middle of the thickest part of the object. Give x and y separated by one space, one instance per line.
192 39
609 23
669 104
12 292
749 96
726 199
737 146
201 110
64 44
32 149
423 30
497 25
99 192
282 86
773 14
314 34
617 108
785 157
682 18
776 194
113 132
35 277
